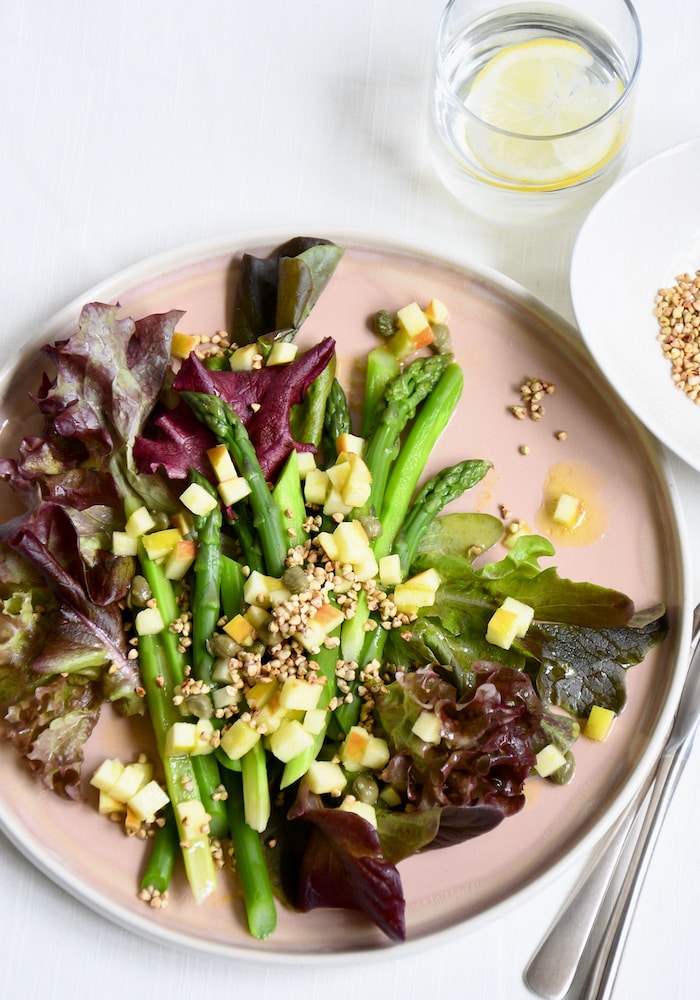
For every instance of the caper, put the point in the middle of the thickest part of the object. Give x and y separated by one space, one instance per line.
140 592
372 525
223 646
161 520
443 341
384 323
565 773
295 580
365 789
221 670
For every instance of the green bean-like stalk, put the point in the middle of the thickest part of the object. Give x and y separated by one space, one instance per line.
223 421
206 593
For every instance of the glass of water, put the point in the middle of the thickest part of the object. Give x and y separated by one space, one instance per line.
532 104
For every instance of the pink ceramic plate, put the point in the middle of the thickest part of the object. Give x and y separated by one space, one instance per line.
501 336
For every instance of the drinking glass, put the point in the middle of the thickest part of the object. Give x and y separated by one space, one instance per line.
532 104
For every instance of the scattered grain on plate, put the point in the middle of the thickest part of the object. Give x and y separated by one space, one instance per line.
532 392
677 310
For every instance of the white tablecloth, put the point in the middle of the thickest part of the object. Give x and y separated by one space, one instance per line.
128 128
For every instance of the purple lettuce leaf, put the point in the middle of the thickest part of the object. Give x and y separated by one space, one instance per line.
343 866
262 398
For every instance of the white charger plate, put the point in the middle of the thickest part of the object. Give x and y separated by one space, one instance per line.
642 233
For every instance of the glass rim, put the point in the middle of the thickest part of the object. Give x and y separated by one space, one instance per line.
549 137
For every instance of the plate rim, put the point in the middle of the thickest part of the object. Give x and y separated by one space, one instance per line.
579 254
190 253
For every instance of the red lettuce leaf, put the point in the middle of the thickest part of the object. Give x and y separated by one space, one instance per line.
262 398
50 727
343 867
486 752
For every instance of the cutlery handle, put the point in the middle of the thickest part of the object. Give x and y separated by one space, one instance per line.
606 962
552 968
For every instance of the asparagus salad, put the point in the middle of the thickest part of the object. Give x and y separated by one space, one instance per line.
338 672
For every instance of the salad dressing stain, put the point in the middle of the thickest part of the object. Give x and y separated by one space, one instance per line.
579 480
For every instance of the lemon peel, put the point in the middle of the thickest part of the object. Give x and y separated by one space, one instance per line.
545 89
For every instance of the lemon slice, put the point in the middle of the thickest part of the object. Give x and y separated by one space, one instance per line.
543 88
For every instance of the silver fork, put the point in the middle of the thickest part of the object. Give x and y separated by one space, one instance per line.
558 960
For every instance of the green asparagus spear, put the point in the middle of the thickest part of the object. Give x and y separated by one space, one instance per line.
307 417
442 489
336 420
250 863
402 398
228 428
417 447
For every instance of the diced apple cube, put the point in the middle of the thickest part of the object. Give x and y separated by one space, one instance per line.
233 490
502 628
198 500
390 797
376 755
427 727
368 568
327 541
335 504
124 544
523 612
183 344
269 718
262 693
238 739
390 570
180 559
316 486
107 805
133 777
549 760
350 443
567 510
148 801
149 621
338 475
314 720
240 630
204 738
401 345
325 778
258 588
599 723
352 542
159 544
289 740
407 597
222 463
306 462
281 353
413 321
428 580
358 467
180 739
139 522
354 747
107 774
362 809
182 520
244 358
436 311
355 492
318 628
299 694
